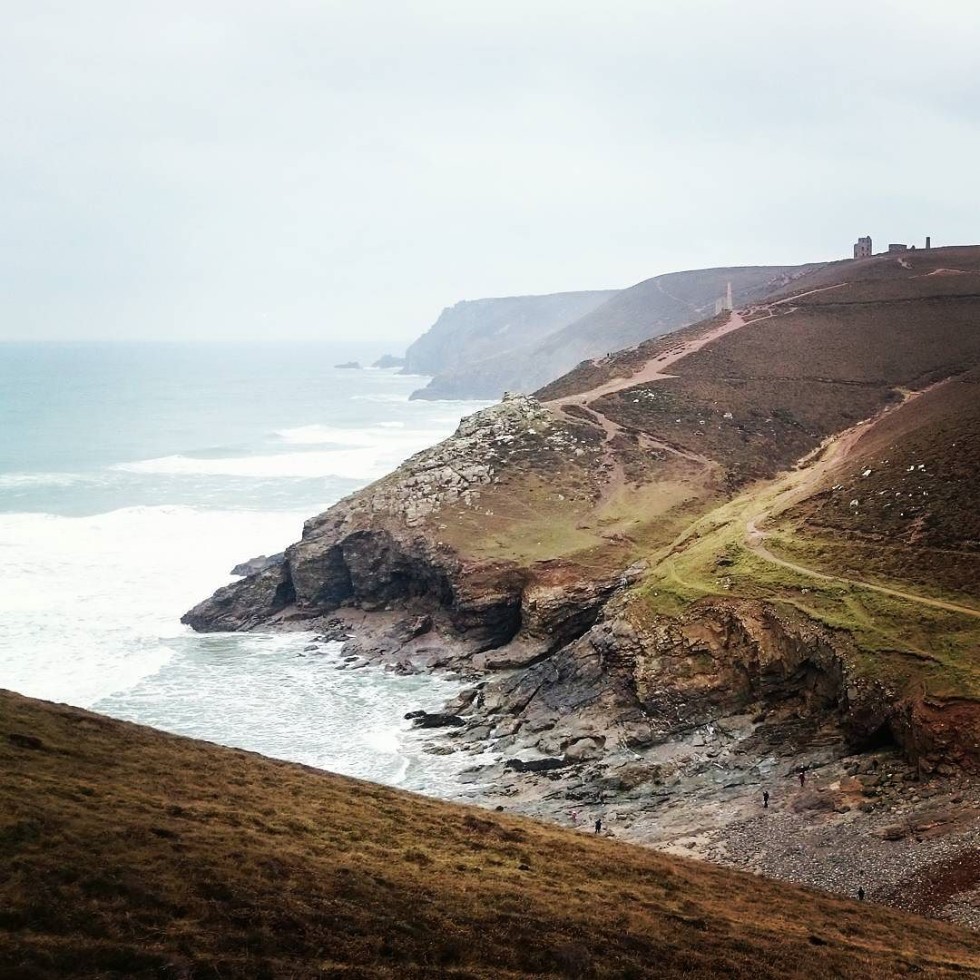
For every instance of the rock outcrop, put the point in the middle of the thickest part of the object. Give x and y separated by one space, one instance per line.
383 546
255 565
500 552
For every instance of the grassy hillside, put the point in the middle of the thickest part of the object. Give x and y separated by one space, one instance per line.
130 853
904 505
851 343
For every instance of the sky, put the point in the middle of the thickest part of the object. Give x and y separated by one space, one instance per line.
298 170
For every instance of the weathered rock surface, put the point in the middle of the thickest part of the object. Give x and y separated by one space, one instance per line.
381 547
255 565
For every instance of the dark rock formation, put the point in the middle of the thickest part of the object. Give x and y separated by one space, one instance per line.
437 719
243 605
255 565
380 548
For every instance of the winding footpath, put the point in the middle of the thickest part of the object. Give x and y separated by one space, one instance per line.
804 481
654 369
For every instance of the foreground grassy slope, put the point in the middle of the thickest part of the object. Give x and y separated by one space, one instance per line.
130 853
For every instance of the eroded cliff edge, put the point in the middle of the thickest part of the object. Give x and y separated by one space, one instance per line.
570 657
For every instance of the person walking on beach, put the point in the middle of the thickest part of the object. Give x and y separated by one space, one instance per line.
765 799
598 825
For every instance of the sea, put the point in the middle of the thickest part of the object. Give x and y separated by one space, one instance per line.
133 477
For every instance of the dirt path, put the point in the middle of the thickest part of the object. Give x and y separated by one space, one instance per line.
803 482
652 370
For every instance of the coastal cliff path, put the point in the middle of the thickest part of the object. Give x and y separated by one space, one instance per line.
654 369
805 479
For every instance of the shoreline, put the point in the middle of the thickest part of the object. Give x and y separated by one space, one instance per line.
863 819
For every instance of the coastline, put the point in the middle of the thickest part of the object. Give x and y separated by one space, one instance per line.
863 819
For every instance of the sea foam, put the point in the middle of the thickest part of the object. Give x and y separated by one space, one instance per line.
96 600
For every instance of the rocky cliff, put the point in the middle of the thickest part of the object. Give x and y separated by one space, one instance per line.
391 544
473 330
608 565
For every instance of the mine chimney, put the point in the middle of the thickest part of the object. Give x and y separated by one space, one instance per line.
928 241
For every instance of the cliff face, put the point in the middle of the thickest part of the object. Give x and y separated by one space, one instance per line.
649 309
473 330
633 685
389 544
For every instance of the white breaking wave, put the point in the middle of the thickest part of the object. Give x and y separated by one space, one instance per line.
320 435
369 453
384 433
13 481
354 464
91 605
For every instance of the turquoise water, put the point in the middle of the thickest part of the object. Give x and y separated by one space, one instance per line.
134 476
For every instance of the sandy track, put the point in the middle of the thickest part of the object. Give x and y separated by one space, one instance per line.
833 451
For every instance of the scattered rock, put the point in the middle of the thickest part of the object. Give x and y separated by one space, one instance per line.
425 719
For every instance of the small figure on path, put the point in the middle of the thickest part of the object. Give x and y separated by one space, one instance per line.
765 799
861 894
802 775
574 817
598 824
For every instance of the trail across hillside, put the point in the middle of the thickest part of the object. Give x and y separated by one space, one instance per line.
802 483
652 370
655 369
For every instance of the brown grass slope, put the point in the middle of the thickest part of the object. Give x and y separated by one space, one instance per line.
904 506
130 853
761 397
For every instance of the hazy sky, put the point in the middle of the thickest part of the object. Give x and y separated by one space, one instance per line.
177 169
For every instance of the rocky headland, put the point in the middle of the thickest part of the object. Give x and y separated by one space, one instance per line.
618 573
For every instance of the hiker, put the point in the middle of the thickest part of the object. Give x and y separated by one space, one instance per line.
861 894
574 817
802 775
598 824
765 799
